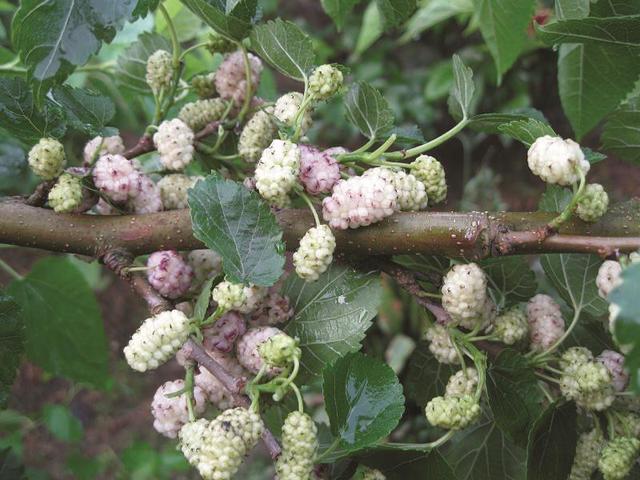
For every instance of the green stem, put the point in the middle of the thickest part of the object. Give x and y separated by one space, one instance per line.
296 390
363 148
192 48
188 383
330 449
568 211
299 120
412 152
378 152
424 447
307 200
431 295
7 268
249 87
543 356
175 43
547 378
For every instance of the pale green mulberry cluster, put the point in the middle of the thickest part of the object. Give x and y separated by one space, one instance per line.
587 382
618 457
593 203
202 112
462 383
511 327
66 194
464 292
279 350
452 413
159 71
440 344
588 451
411 192
315 253
235 296
204 85
174 190
286 111
325 81
216 448
47 158
299 445
277 172
157 340
431 172
256 135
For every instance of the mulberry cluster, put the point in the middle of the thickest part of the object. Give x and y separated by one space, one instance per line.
617 457
464 292
170 413
230 80
431 173
158 339
174 142
593 203
588 451
608 277
359 201
452 413
169 274
325 81
196 115
47 158
66 194
315 253
286 110
217 448
234 296
248 349
411 192
256 135
299 445
99 146
277 171
116 177
557 161
461 383
511 326
319 171
546 324
159 71
441 345
174 189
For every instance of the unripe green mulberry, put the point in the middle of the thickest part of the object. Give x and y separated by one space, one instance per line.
431 172
461 383
299 445
204 86
511 326
202 112
157 340
159 71
66 194
217 448
618 457
235 296
325 81
366 473
219 44
174 190
47 158
588 451
279 350
256 135
452 413
574 357
589 385
593 203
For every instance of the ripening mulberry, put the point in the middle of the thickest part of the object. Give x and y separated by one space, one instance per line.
205 263
230 80
116 177
169 274
511 326
608 277
617 457
170 413
299 445
325 81
47 158
315 253
589 385
546 324
319 171
588 451
223 334
279 350
256 135
411 192
66 195
145 198
98 146
174 141
452 413
204 85
461 383
157 340
202 112
431 173
248 349
235 296
557 161
440 344
274 309
174 189
614 362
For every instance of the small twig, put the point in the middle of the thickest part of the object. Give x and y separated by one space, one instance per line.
235 385
144 145
39 197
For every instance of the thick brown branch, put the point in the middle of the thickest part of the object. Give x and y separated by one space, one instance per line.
471 235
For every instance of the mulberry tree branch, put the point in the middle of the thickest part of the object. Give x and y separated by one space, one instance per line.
472 235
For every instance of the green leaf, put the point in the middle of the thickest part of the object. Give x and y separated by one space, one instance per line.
491 122
61 423
574 277
403 465
11 344
132 63
572 8
86 111
338 10
14 169
371 30
503 24
368 110
552 443
627 324
204 298
514 396
363 398
285 47
239 226
143 7
616 31
510 279
10 466
620 135
584 81
20 117
426 377
484 452
555 199
526 131
396 11
433 13
64 330
462 89
56 36
230 19
332 314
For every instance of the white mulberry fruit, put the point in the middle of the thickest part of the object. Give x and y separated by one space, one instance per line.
557 161
452 413
411 192
66 195
593 203
359 201
205 263
440 344
614 362
174 141
146 197
230 80
588 451
299 445
202 112
315 253
116 177
431 173
47 158
99 146
277 171
256 135
169 274
248 349
279 350
608 277
170 413
464 292
159 71
461 383
510 327
589 385
286 110
325 81
204 85
157 340
617 457
235 296
174 190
